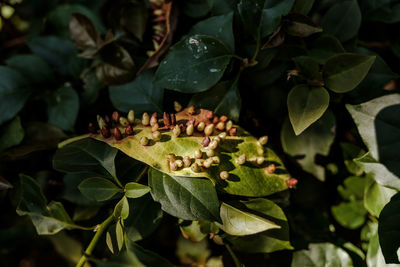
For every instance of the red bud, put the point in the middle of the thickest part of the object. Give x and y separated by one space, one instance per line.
292 182
115 116
117 134
105 132
92 128
129 130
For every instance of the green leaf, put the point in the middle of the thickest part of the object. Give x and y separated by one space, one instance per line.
184 197
388 230
324 47
350 215
306 105
144 219
197 8
122 209
193 65
322 254
71 192
86 155
119 234
272 14
133 18
69 248
238 222
317 139
343 72
307 66
343 20
219 27
300 26
302 6
268 241
113 239
82 32
350 152
223 99
140 95
376 197
33 68
63 107
11 134
191 230
389 13
353 188
250 12
13 93
374 253
220 7
99 189
380 114
135 190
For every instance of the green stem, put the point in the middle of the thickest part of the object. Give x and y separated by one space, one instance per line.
142 173
234 258
238 57
253 59
94 241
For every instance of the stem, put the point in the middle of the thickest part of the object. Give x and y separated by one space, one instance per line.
142 173
238 57
234 258
94 241
253 59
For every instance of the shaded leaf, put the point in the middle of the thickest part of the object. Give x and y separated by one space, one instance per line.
389 13
99 189
135 190
374 252
302 6
306 105
82 32
33 68
133 18
301 26
192 231
4 184
307 66
350 152
147 257
272 14
11 134
69 248
324 47
197 8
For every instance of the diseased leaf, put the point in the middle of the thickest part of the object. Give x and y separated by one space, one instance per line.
99 189
194 64
306 105
11 134
184 197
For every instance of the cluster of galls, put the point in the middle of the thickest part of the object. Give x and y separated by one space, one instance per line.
159 26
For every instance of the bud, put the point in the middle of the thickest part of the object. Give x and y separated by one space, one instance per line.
187 161
177 106
210 152
179 163
171 157
222 135
129 130
263 140
229 125
207 163
144 141
241 159
209 129
215 119
253 160
209 114
156 135
223 118
206 141
216 160
270 169
176 131
292 182
91 128
131 116
213 145
117 134
224 175
190 129
220 126
173 166
101 122
260 160
105 132
154 127
200 126
195 167
166 119
153 119
217 139
198 154
173 118
123 121
191 110
145 119
232 131
115 116
107 119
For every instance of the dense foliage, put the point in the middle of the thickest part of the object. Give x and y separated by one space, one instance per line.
133 133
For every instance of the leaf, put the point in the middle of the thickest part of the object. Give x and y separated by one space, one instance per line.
389 13
148 257
4 184
220 7
219 27
223 99
11 134
113 239
343 20
184 197
240 223
122 209
272 14
343 72
301 26
82 32
192 253
317 139
250 12
193 65
99 189
191 230
13 93
324 47
302 6
86 155
63 107
306 105
376 197
322 254
133 18
270 240
135 190
71 191
245 180
388 230
307 66
350 215
196 8
140 95
350 152
69 248
33 68
383 145
374 253
119 234
144 219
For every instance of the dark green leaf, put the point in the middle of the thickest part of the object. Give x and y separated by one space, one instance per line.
325 47
133 18
301 26
13 93
343 72
343 20
322 254
223 99
86 155
99 189
140 95
124 259
219 27
34 68
250 12
376 197
82 32
193 65
122 209
147 257
91 88
317 139
183 197
135 190
220 7
388 13
71 192
63 107
307 66
302 6
11 134
306 105
272 13
388 230
197 8
68 247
